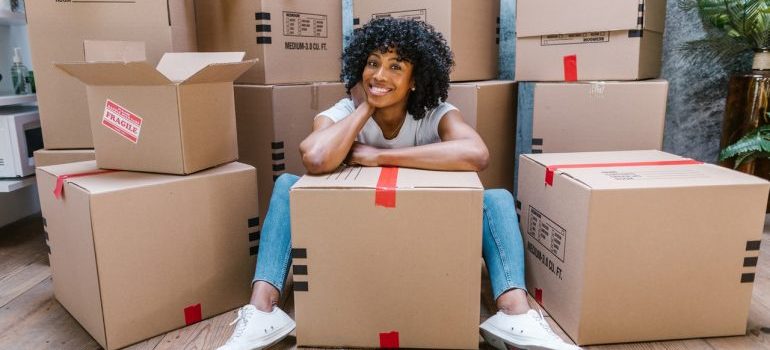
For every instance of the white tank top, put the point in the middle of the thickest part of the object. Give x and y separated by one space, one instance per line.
412 133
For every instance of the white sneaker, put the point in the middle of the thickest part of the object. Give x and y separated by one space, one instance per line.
526 331
256 329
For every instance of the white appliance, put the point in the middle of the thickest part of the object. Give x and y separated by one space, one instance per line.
20 135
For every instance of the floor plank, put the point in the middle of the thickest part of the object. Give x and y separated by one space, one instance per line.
24 278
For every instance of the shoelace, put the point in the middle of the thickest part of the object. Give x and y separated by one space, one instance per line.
242 316
543 324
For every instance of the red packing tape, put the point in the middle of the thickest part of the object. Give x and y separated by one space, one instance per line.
385 195
570 68
549 170
58 191
539 296
389 340
192 314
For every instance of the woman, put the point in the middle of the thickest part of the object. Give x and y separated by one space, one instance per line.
397 73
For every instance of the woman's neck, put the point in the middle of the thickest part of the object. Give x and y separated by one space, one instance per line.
390 116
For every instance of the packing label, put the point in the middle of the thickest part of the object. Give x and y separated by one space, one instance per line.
574 38
305 25
122 121
650 175
546 232
418 15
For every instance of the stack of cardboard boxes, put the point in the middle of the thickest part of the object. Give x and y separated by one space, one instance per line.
470 28
164 26
579 75
622 246
137 250
298 45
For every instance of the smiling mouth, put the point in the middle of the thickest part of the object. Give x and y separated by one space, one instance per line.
378 91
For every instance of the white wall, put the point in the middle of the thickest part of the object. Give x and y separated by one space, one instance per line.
18 204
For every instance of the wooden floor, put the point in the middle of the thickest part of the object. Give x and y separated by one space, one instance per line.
30 318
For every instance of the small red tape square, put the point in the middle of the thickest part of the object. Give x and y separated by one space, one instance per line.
570 68
192 314
539 295
389 340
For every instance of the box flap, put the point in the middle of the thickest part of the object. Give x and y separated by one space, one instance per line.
368 177
638 169
114 51
543 17
123 180
220 72
178 66
115 73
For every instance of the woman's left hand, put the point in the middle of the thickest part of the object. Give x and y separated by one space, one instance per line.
364 155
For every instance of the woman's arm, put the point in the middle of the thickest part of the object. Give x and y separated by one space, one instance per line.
461 148
329 143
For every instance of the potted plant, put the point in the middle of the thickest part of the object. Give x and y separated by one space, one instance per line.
735 27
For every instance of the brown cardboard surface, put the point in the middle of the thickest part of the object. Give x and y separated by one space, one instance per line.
599 116
44 157
652 235
596 32
130 251
355 278
286 54
469 26
272 120
490 108
62 99
186 105
120 51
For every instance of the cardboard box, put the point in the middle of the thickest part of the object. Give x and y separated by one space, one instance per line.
349 278
134 255
469 27
178 118
590 116
295 41
44 157
164 26
490 108
560 40
272 121
623 252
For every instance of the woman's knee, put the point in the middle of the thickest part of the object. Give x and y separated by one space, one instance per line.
497 196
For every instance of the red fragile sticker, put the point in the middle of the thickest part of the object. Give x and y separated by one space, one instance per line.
122 121
385 195
570 68
539 296
389 340
549 170
58 190
192 314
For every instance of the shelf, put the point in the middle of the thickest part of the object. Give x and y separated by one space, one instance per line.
14 184
12 18
7 100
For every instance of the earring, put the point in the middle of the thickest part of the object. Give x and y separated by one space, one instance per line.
413 88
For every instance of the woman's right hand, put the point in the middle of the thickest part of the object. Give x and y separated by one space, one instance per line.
360 98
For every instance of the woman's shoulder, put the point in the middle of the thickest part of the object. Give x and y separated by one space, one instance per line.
339 110
439 111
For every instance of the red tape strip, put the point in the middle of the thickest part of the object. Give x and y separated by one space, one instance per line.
389 340
192 314
539 296
385 195
549 170
570 68
58 191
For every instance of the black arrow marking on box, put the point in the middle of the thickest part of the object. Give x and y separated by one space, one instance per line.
262 16
300 286
299 253
253 250
263 28
747 278
750 261
753 245
300 270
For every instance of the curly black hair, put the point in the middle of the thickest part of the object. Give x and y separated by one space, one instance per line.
415 42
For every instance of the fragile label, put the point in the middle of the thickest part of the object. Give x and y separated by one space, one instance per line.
305 25
546 232
418 15
122 121
574 38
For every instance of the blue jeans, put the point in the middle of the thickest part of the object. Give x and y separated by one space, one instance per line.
502 245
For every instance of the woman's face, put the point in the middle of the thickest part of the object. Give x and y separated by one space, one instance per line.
386 79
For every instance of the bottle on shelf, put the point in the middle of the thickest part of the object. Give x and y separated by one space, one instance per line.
19 74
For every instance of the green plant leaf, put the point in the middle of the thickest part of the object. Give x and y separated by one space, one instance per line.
754 144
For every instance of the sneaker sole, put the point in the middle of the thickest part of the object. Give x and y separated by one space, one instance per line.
278 336
500 343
